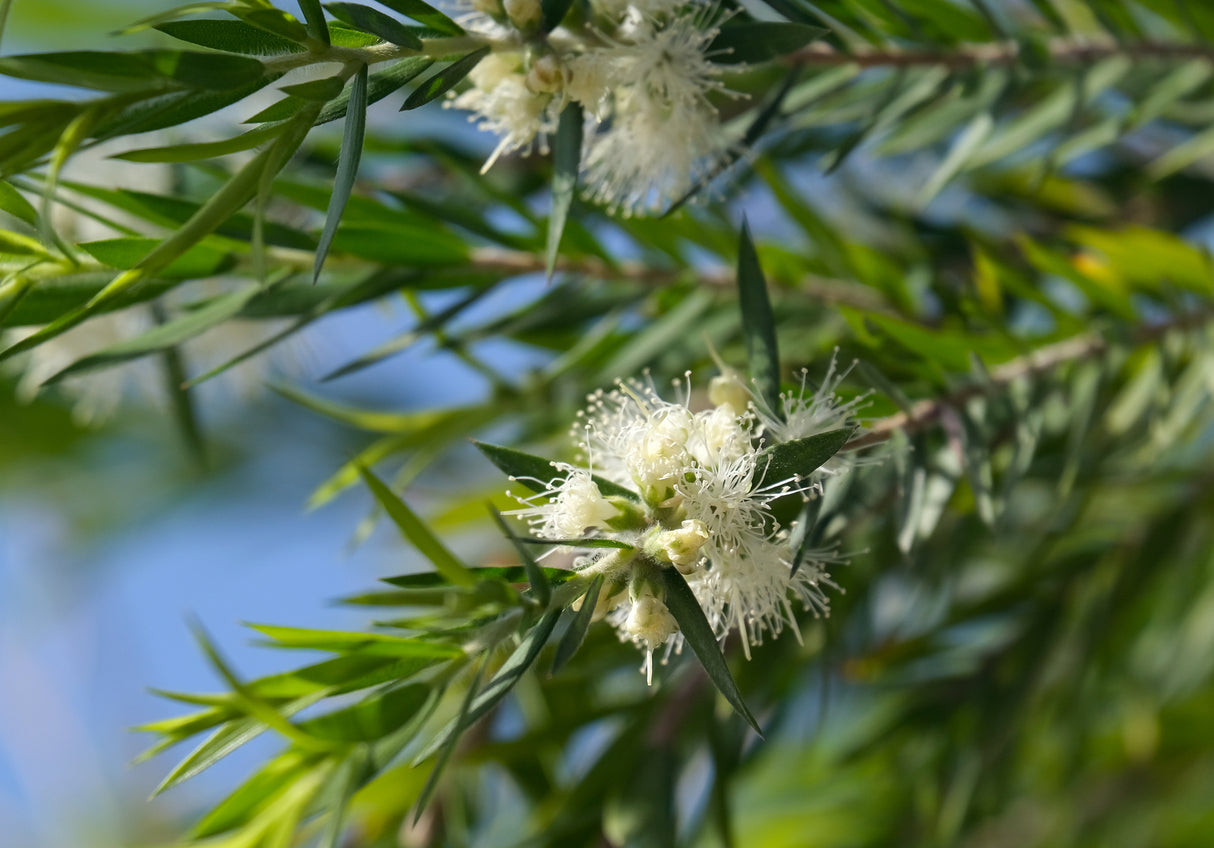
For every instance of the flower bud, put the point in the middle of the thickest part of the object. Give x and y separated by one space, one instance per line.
728 388
682 547
649 624
545 76
524 14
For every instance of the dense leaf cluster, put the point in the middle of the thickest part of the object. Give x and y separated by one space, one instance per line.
1008 239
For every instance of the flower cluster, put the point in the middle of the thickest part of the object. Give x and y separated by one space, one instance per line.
689 490
642 72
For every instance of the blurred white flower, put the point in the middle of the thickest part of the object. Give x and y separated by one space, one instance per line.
642 72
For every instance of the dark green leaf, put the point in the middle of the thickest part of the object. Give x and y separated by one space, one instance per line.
576 633
14 203
416 531
801 457
753 42
347 166
318 27
682 603
127 252
759 325
426 14
583 543
566 159
203 150
554 12
536 473
442 81
325 89
374 21
230 36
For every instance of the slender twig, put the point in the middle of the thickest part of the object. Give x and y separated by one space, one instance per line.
924 413
1002 53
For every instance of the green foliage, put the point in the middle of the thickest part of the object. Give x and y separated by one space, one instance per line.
1000 208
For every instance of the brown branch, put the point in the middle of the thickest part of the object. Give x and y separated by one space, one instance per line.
823 289
1089 345
1001 53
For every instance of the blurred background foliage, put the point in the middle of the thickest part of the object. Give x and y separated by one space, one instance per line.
1001 209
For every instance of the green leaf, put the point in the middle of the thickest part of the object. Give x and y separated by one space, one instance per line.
326 89
374 21
554 12
15 244
536 473
615 544
759 325
462 720
501 684
394 244
342 641
578 627
230 36
964 146
14 203
696 630
353 771
372 718
255 794
801 457
163 336
426 14
203 150
753 42
566 159
415 530
535 574
379 85
127 252
318 27
134 71
347 166
272 20
442 81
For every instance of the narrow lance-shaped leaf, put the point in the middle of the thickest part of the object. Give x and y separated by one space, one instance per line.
314 17
578 627
347 166
535 472
376 23
800 457
501 684
753 42
416 531
462 720
440 82
759 325
682 603
237 191
566 159
230 36
426 14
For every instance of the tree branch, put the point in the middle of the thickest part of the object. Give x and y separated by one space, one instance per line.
1086 346
1000 53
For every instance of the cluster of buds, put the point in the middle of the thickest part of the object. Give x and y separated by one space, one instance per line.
642 72
697 501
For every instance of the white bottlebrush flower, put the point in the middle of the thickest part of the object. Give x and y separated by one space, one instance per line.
502 102
570 507
704 507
